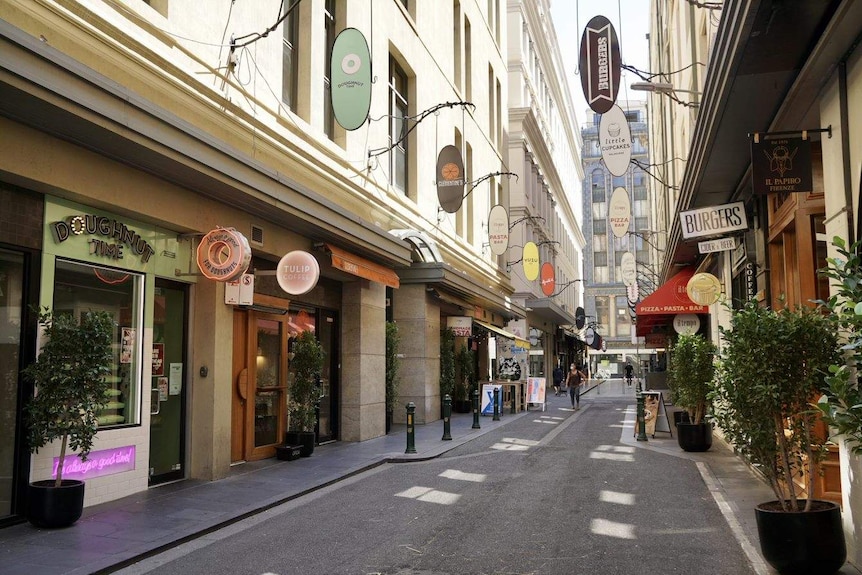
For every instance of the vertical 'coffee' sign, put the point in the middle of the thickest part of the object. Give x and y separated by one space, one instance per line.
450 179
600 64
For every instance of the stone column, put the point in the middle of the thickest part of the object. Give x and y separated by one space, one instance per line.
418 322
363 367
210 397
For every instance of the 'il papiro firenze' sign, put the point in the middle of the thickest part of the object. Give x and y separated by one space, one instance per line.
99 463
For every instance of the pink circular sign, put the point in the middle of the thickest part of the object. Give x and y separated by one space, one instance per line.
297 272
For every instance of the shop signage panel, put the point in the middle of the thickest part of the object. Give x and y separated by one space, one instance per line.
600 64
781 165
498 230
548 280
240 291
719 245
686 323
620 212
530 261
350 75
703 288
297 272
461 326
628 269
450 179
223 254
615 141
713 220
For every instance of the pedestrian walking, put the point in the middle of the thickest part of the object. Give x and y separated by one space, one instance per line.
629 373
559 376
574 380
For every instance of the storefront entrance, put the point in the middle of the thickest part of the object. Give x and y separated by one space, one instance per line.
11 315
168 386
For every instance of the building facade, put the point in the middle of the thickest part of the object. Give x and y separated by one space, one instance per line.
139 134
726 61
543 147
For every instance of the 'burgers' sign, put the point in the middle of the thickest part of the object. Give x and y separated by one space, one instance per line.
600 64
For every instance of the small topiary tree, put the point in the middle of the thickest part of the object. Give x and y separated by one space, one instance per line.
690 374
447 363
393 363
69 376
304 389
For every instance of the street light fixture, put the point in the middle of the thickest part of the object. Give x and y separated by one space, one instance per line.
665 88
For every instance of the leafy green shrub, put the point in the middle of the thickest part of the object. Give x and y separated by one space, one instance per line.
690 374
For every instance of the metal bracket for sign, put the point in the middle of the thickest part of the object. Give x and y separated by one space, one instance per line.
177 271
757 135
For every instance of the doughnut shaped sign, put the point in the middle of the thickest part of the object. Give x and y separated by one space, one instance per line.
350 76
223 255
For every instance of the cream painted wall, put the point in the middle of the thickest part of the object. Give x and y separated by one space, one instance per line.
833 179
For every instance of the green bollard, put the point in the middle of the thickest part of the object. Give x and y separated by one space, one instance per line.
641 422
447 418
496 404
411 428
476 409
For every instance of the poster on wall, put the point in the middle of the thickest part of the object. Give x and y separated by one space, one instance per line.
511 360
127 346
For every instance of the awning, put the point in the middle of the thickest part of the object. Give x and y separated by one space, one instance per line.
549 311
500 331
670 299
361 267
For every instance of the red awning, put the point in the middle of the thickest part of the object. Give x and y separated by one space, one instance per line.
670 299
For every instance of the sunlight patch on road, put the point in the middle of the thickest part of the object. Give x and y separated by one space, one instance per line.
509 447
464 476
613 529
683 531
516 441
617 497
613 452
429 495
620 425
546 421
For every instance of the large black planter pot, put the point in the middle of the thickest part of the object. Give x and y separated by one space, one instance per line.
802 543
305 439
52 507
694 436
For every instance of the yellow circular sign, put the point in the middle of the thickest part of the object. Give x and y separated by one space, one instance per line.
703 289
531 261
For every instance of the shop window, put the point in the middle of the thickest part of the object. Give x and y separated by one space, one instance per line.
290 59
79 288
399 110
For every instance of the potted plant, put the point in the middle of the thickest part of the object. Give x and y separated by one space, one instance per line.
690 374
447 365
70 390
306 365
466 380
393 362
772 366
841 402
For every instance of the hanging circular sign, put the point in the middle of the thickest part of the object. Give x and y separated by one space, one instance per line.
530 261
686 323
600 64
498 230
223 255
703 288
628 269
590 336
350 74
548 280
450 179
297 272
580 318
633 292
620 212
615 141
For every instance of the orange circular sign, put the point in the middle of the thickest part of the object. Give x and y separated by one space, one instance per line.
548 280
223 255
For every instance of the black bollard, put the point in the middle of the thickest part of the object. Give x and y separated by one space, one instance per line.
496 404
641 423
447 418
411 428
476 409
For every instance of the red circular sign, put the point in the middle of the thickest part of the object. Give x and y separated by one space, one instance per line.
548 281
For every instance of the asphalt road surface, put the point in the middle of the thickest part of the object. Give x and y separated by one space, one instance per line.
554 492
